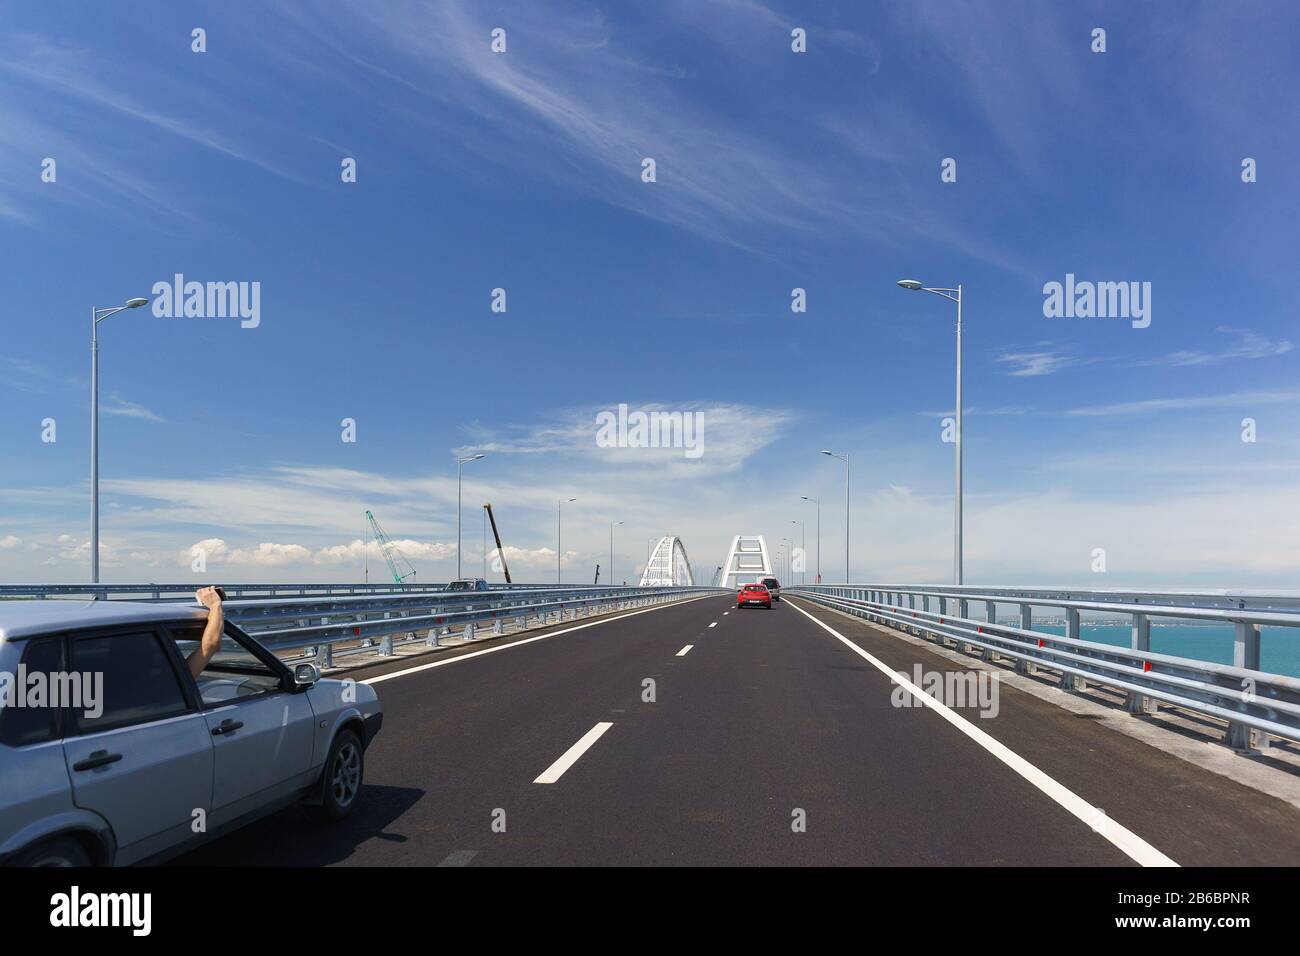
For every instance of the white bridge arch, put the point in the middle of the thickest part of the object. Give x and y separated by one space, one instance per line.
668 565
747 561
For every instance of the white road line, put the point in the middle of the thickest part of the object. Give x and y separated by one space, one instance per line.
527 640
685 650
556 770
1128 842
714 624
725 613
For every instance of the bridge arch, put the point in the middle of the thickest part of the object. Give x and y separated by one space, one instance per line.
668 565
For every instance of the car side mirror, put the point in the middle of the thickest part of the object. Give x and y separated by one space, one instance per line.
305 675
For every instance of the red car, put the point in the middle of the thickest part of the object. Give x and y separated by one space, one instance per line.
750 594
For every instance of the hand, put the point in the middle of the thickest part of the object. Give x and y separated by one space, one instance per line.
208 597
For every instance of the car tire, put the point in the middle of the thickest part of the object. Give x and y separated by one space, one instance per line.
341 779
57 851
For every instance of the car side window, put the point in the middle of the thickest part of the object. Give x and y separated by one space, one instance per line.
37 721
134 677
233 672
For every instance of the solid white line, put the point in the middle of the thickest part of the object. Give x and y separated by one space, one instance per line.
556 770
1128 842
685 650
725 613
527 640
714 624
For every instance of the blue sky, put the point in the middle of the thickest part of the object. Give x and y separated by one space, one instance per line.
775 170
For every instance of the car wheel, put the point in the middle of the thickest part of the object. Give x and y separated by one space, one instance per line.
341 781
59 851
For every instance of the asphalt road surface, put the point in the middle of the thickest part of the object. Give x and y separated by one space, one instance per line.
770 741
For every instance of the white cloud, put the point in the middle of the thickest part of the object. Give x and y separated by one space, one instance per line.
1248 345
1184 403
125 409
9 541
1043 361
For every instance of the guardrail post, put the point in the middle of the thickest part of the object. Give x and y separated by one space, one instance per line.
1134 702
939 637
1245 654
991 612
468 633
498 627
1245 647
1026 624
1071 682
386 645
325 656
431 639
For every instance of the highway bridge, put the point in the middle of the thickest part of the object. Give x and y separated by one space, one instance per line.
680 730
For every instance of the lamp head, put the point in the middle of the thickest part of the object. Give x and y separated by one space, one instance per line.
910 284
135 303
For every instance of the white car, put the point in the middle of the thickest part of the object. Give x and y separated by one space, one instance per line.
127 758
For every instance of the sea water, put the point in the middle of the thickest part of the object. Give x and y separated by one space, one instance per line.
1279 647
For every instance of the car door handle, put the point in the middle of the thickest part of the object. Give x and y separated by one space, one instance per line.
227 726
100 758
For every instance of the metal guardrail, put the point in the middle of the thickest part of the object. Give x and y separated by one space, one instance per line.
1246 697
177 592
438 615
319 625
338 626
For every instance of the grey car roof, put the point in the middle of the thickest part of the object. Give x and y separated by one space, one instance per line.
21 619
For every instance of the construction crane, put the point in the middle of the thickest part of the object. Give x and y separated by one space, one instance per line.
501 554
396 560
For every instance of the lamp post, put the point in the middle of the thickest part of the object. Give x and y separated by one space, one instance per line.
844 458
818 502
460 465
558 550
612 526
953 295
97 316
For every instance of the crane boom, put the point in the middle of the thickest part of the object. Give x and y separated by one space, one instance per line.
392 554
501 554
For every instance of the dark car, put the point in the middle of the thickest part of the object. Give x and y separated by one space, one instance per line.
754 595
773 586
467 584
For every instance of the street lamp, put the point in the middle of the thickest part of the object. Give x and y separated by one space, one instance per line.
844 458
612 526
818 502
97 316
558 551
460 465
955 296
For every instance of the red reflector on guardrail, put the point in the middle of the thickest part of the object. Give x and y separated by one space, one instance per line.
1041 642
979 630
1146 666
940 620
356 631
